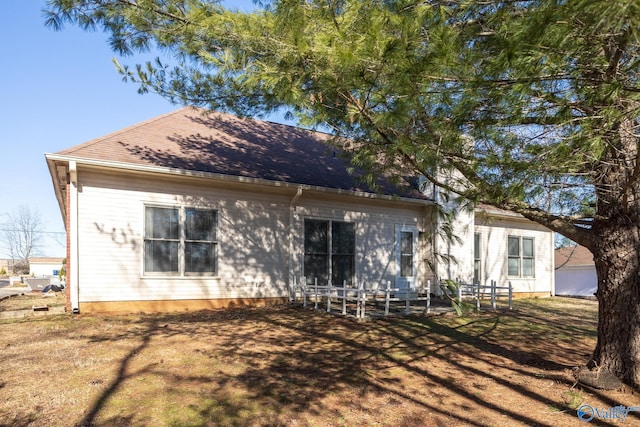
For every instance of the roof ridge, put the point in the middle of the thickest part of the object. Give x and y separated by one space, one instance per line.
243 147
294 127
197 110
257 120
123 130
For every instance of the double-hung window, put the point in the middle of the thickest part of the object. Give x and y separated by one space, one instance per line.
477 258
521 256
329 252
406 254
180 241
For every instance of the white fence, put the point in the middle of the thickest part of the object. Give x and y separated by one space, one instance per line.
479 292
362 295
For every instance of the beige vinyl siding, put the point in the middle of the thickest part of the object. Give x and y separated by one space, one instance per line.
253 237
252 240
375 260
459 266
494 234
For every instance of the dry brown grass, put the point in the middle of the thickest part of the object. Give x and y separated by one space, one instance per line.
298 367
31 299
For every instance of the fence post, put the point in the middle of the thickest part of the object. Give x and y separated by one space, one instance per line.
344 297
364 304
358 296
459 292
477 296
315 291
407 301
510 295
329 296
493 294
304 291
387 295
428 295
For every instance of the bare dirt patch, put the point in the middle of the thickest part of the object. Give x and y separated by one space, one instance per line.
299 367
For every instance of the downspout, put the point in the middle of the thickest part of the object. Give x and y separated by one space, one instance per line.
290 253
74 289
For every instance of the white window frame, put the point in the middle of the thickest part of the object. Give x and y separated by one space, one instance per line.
477 257
411 256
182 242
329 254
520 257
399 230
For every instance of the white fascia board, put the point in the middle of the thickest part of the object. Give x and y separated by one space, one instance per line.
55 178
231 178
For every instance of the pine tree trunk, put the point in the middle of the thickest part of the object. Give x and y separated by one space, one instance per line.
616 250
615 244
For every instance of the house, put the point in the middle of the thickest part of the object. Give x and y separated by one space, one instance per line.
575 272
45 267
195 210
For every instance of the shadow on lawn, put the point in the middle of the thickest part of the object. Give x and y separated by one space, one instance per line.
121 375
292 360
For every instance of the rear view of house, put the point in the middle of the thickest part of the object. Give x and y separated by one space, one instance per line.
195 210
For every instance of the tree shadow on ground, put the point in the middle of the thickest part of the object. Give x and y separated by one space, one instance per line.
282 365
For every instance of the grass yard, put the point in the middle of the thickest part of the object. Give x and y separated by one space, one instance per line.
33 299
291 366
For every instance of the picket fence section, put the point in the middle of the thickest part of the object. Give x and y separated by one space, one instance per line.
343 295
479 292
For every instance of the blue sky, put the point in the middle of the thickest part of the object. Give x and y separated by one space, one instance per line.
59 89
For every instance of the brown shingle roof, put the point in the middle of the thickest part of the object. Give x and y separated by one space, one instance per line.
190 139
573 256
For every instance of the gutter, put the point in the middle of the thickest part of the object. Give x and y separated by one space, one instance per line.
232 178
72 263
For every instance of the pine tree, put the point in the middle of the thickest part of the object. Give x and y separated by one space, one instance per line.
533 104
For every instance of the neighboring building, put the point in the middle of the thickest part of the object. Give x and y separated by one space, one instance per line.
45 267
575 272
192 210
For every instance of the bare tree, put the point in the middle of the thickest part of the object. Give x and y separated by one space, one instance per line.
21 234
